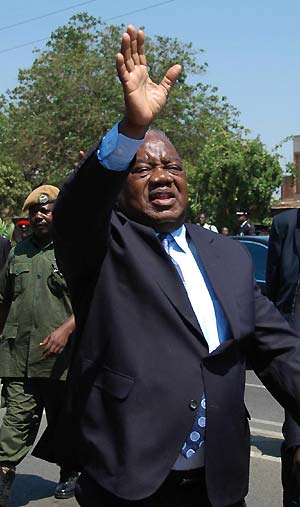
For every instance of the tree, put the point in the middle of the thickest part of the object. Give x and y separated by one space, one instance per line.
71 96
233 172
13 189
13 186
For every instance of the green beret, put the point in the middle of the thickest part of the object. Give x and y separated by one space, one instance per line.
44 194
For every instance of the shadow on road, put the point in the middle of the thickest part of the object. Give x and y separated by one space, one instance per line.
267 445
27 488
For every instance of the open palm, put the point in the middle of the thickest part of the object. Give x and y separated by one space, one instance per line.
144 99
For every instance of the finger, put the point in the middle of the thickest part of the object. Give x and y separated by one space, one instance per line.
133 45
45 341
47 354
49 350
126 51
170 78
140 47
121 68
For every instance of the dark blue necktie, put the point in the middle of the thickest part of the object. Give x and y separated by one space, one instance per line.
166 241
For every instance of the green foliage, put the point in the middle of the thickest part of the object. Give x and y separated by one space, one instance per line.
71 96
6 229
233 172
13 188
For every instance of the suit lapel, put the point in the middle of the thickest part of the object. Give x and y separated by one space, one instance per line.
218 276
160 267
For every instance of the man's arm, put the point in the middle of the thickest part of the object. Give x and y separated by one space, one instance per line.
251 229
273 261
4 309
274 353
5 293
291 428
86 200
5 247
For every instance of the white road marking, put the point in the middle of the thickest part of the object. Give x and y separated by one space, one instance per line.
256 385
266 457
266 433
265 421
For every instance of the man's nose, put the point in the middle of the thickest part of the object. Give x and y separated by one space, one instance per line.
39 215
160 175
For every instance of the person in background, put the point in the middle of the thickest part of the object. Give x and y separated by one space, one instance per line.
22 229
245 228
203 222
167 314
5 247
81 155
283 288
36 323
225 231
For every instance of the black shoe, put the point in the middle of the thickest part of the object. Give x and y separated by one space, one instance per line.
7 476
66 486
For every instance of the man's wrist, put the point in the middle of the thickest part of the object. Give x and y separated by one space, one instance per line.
132 130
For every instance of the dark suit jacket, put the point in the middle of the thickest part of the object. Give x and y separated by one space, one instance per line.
283 284
4 250
141 357
246 230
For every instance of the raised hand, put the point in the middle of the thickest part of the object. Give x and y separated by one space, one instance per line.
144 99
80 157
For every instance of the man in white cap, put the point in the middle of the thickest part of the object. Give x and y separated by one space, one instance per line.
245 228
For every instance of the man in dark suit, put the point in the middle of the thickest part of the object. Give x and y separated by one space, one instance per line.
245 228
283 287
166 313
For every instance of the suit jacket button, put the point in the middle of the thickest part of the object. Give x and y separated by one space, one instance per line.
193 405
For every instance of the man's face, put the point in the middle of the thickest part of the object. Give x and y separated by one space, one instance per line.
155 193
40 218
241 218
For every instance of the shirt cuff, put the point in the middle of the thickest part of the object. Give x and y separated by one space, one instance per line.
116 150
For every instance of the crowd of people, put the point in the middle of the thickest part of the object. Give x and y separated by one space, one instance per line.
244 227
167 318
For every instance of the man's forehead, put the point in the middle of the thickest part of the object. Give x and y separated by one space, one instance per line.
157 145
41 207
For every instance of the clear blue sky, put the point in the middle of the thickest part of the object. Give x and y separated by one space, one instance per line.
252 49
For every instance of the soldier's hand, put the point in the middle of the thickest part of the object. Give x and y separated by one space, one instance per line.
80 157
144 99
55 342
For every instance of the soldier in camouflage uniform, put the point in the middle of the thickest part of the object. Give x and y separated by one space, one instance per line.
36 322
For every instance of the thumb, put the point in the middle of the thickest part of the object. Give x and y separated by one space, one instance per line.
170 78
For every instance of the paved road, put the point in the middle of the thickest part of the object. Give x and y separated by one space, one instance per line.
266 438
36 480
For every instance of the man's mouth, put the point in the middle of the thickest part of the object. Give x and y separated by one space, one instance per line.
162 197
40 225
